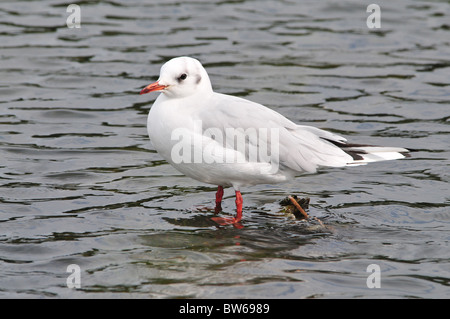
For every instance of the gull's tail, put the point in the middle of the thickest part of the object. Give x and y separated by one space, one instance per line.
363 154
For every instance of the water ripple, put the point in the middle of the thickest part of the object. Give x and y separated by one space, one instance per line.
80 182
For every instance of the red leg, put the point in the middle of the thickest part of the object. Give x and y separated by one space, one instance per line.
219 196
239 202
233 221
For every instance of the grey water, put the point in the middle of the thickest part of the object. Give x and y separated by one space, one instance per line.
80 182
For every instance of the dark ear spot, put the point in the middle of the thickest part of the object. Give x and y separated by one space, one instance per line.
199 78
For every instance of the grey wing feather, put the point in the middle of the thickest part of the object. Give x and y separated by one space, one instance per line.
297 147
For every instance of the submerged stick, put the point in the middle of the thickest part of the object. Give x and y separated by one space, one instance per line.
297 205
320 222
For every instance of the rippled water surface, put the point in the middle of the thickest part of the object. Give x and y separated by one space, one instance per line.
80 182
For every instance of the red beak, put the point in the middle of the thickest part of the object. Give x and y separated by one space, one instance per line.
153 87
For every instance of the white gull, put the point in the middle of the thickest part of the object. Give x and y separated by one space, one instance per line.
229 141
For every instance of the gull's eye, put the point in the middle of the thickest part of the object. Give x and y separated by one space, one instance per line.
182 77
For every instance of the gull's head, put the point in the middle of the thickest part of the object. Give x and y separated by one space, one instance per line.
181 77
